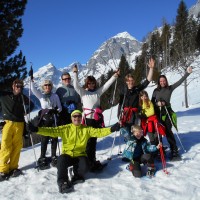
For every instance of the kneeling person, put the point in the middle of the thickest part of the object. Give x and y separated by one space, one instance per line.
74 141
141 153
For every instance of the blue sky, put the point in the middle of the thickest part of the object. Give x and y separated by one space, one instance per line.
64 31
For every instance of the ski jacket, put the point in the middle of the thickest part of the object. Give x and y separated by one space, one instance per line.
130 98
152 125
164 94
148 111
138 147
12 106
47 102
74 138
91 100
68 95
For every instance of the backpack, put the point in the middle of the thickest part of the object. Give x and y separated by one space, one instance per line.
129 150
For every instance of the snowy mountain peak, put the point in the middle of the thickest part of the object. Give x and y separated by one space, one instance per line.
195 10
124 35
105 58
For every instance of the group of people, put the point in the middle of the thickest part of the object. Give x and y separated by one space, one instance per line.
74 114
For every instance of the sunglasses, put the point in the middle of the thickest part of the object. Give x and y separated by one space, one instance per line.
77 116
18 86
64 79
47 85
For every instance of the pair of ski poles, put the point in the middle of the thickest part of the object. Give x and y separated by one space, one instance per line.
121 111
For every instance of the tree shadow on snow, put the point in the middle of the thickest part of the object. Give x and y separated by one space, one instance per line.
188 140
191 112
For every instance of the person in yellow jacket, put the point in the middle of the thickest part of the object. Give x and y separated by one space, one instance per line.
147 116
74 141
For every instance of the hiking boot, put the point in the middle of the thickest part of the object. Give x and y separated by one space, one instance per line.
54 160
175 156
77 179
3 176
96 166
150 172
65 187
43 163
130 167
15 173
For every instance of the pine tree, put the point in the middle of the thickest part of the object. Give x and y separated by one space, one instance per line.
197 39
11 66
183 46
108 99
165 45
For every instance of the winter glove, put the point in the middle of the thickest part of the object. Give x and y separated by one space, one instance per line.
2 123
55 111
30 73
115 127
31 128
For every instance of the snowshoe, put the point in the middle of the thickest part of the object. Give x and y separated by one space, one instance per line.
77 179
130 167
43 163
150 172
175 156
3 176
65 187
15 173
54 161
96 166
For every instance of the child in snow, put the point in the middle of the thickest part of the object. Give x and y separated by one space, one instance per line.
141 152
149 120
129 100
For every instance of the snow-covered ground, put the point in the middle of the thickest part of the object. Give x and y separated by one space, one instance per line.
115 182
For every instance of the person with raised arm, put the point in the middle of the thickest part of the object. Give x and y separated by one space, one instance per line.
90 96
161 99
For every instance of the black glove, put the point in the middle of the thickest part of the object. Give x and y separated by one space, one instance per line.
2 123
55 111
115 127
30 73
31 128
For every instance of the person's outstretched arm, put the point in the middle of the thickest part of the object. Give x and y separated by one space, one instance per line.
151 66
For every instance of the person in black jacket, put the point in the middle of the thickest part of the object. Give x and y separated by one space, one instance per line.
13 110
161 99
129 100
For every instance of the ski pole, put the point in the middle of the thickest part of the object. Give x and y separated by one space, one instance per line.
112 101
36 163
162 156
109 158
120 115
175 128
55 120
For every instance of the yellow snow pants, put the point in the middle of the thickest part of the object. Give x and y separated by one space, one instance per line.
11 145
